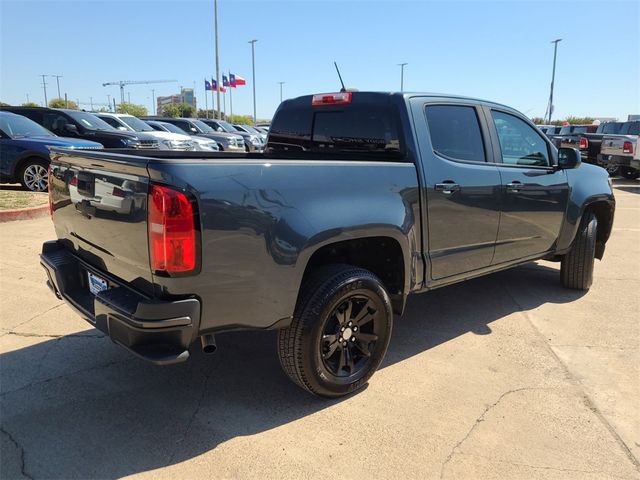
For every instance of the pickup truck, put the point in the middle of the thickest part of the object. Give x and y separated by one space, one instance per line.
359 200
589 143
622 151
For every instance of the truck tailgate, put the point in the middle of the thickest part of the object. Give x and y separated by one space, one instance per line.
614 144
100 212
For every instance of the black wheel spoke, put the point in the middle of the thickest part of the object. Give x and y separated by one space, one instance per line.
332 346
349 359
363 348
347 311
342 363
364 316
366 337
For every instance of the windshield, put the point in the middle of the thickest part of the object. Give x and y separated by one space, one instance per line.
136 124
89 121
249 129
630 128
227 127
203 126
17 126
170 127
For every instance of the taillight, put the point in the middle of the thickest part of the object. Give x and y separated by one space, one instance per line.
172 232
584 143
49 193
627 147
118 192
342 98
74 181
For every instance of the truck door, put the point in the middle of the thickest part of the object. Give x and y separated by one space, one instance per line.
534 193
461 187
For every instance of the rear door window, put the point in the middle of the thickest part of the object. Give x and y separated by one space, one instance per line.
455 132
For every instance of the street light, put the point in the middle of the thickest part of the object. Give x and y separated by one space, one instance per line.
44 87
153 99
281 83
402 65
215 29
58 77
553 77
253 66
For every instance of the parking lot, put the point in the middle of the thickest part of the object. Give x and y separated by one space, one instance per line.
506 376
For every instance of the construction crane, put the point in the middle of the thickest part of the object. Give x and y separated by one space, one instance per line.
122 83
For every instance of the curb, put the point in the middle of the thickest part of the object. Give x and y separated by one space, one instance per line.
23 213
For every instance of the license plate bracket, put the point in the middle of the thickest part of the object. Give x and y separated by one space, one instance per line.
96 284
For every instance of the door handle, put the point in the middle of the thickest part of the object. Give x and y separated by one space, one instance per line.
447 187
514 187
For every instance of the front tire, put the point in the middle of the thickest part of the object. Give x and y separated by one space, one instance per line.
34 175
339 333
576 268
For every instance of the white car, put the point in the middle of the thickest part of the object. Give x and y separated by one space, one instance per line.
202 144
166 140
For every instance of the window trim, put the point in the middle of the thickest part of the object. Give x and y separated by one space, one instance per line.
497 148
484 132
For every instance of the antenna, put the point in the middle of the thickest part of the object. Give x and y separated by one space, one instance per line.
340 77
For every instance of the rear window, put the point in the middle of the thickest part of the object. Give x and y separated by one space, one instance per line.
609 128
455 132
368 125
630 128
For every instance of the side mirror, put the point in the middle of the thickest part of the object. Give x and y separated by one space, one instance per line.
219 129
71 128
124 129
568 158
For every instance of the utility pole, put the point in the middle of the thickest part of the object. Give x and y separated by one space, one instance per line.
153 99
402 65
281 83
215 28
128 97
109 101
253 67
44 87
27 98
553 77
58 77
91 103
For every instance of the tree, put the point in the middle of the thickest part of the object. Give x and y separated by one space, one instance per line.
30 104
2 104
60 103
133 109
579 120
183 110
240 119
538 120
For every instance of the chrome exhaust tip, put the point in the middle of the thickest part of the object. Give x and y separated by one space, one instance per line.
208 342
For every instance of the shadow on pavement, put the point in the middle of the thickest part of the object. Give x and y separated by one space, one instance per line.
82 407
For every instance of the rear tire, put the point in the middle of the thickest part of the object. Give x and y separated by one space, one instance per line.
630 174
576 268
34 175
339 333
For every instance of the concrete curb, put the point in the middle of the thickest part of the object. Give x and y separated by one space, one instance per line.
23 213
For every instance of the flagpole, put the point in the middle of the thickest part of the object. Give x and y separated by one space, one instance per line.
224 104
206 102
230 97
215 8
213 105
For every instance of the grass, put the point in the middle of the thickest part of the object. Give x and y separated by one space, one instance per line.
13 198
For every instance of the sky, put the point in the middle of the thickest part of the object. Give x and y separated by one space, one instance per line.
497 51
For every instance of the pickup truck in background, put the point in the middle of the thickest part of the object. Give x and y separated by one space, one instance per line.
589 142
359 200
571 130
622 151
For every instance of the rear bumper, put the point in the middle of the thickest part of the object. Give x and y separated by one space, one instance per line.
612 160
635 164
158 331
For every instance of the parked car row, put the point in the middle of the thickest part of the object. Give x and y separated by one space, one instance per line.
27 132
612 145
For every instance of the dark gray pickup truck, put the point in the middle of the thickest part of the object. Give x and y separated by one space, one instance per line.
359 200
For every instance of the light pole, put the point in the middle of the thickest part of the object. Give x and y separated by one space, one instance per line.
109 101
402 65
153 99
58 77
253 67
129 97
44 87
281 83
553 77
215 28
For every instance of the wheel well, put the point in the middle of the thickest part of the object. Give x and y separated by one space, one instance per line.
604 213
380 255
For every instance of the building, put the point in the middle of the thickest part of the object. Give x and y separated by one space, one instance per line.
186 95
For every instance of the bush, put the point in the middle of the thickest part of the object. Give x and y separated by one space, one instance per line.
132 109
240 119
60 103
30 104
183 110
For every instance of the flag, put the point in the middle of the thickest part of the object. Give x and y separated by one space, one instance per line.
225 82
207 85
237 80
214 84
